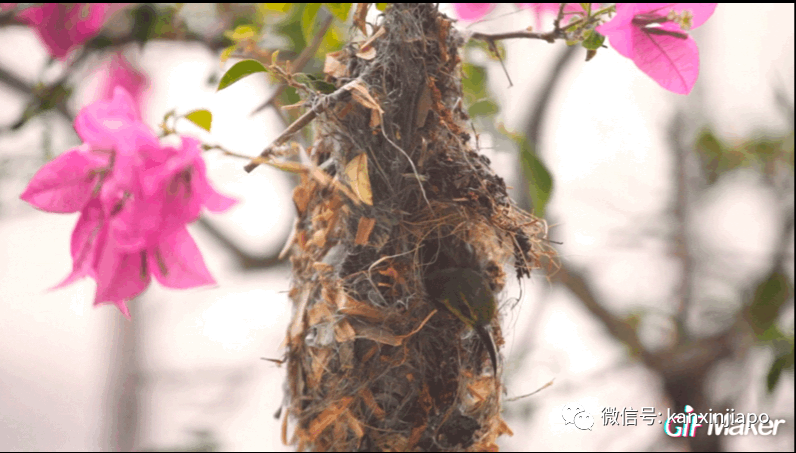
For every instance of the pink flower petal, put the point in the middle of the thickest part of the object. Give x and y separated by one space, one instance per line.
66 183
472 11
120 73
88 238
120 277
211 199
672 62
177 262
99 123
181 187
63 27
659 48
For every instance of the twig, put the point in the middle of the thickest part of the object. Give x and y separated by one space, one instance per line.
516 398
303 120
299 63
550 36
297 125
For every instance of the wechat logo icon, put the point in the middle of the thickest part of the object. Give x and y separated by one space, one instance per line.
575 414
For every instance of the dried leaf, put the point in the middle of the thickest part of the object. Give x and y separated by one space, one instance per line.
354 425
503 428
481 389
370 402
333 67
375 119
328 416
319 313
369 42
344 332
320 357
423 106
284 428
291 167
364 228
297 326
353 307
359 17
367 54
357 172
302 194
360 94
378 335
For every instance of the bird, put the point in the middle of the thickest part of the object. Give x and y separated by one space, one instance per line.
466 294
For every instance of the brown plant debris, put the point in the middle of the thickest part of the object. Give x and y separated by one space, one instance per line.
394 192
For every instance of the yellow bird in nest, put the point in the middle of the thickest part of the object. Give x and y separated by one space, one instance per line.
466 293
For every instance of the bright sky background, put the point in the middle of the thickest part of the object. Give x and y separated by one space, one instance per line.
604 144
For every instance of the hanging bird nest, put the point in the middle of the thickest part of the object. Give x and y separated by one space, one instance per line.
393 191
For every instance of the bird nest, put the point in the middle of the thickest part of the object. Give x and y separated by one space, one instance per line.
394 190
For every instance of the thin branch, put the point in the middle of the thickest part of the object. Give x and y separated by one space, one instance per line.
490 38
246 260
533 127
16 83
300 62
319 107
680 213
619 329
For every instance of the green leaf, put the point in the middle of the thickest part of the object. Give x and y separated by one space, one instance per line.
781 363
332 41
769 297
226 53
539 178
484 107
476 94
144 22
593 40
242 32
202 118
273 7
339 10
540 181
308 20
474 81
381 6
240 70
290 28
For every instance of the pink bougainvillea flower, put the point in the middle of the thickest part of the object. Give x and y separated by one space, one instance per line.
173 183
135 199
175 262
66 183
99 123
647 34
121 73
64 26
472 11
181 183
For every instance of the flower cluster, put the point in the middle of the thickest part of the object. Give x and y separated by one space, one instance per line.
653 35
65 26
135 198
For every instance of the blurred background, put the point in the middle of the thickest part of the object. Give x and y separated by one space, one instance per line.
675 215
